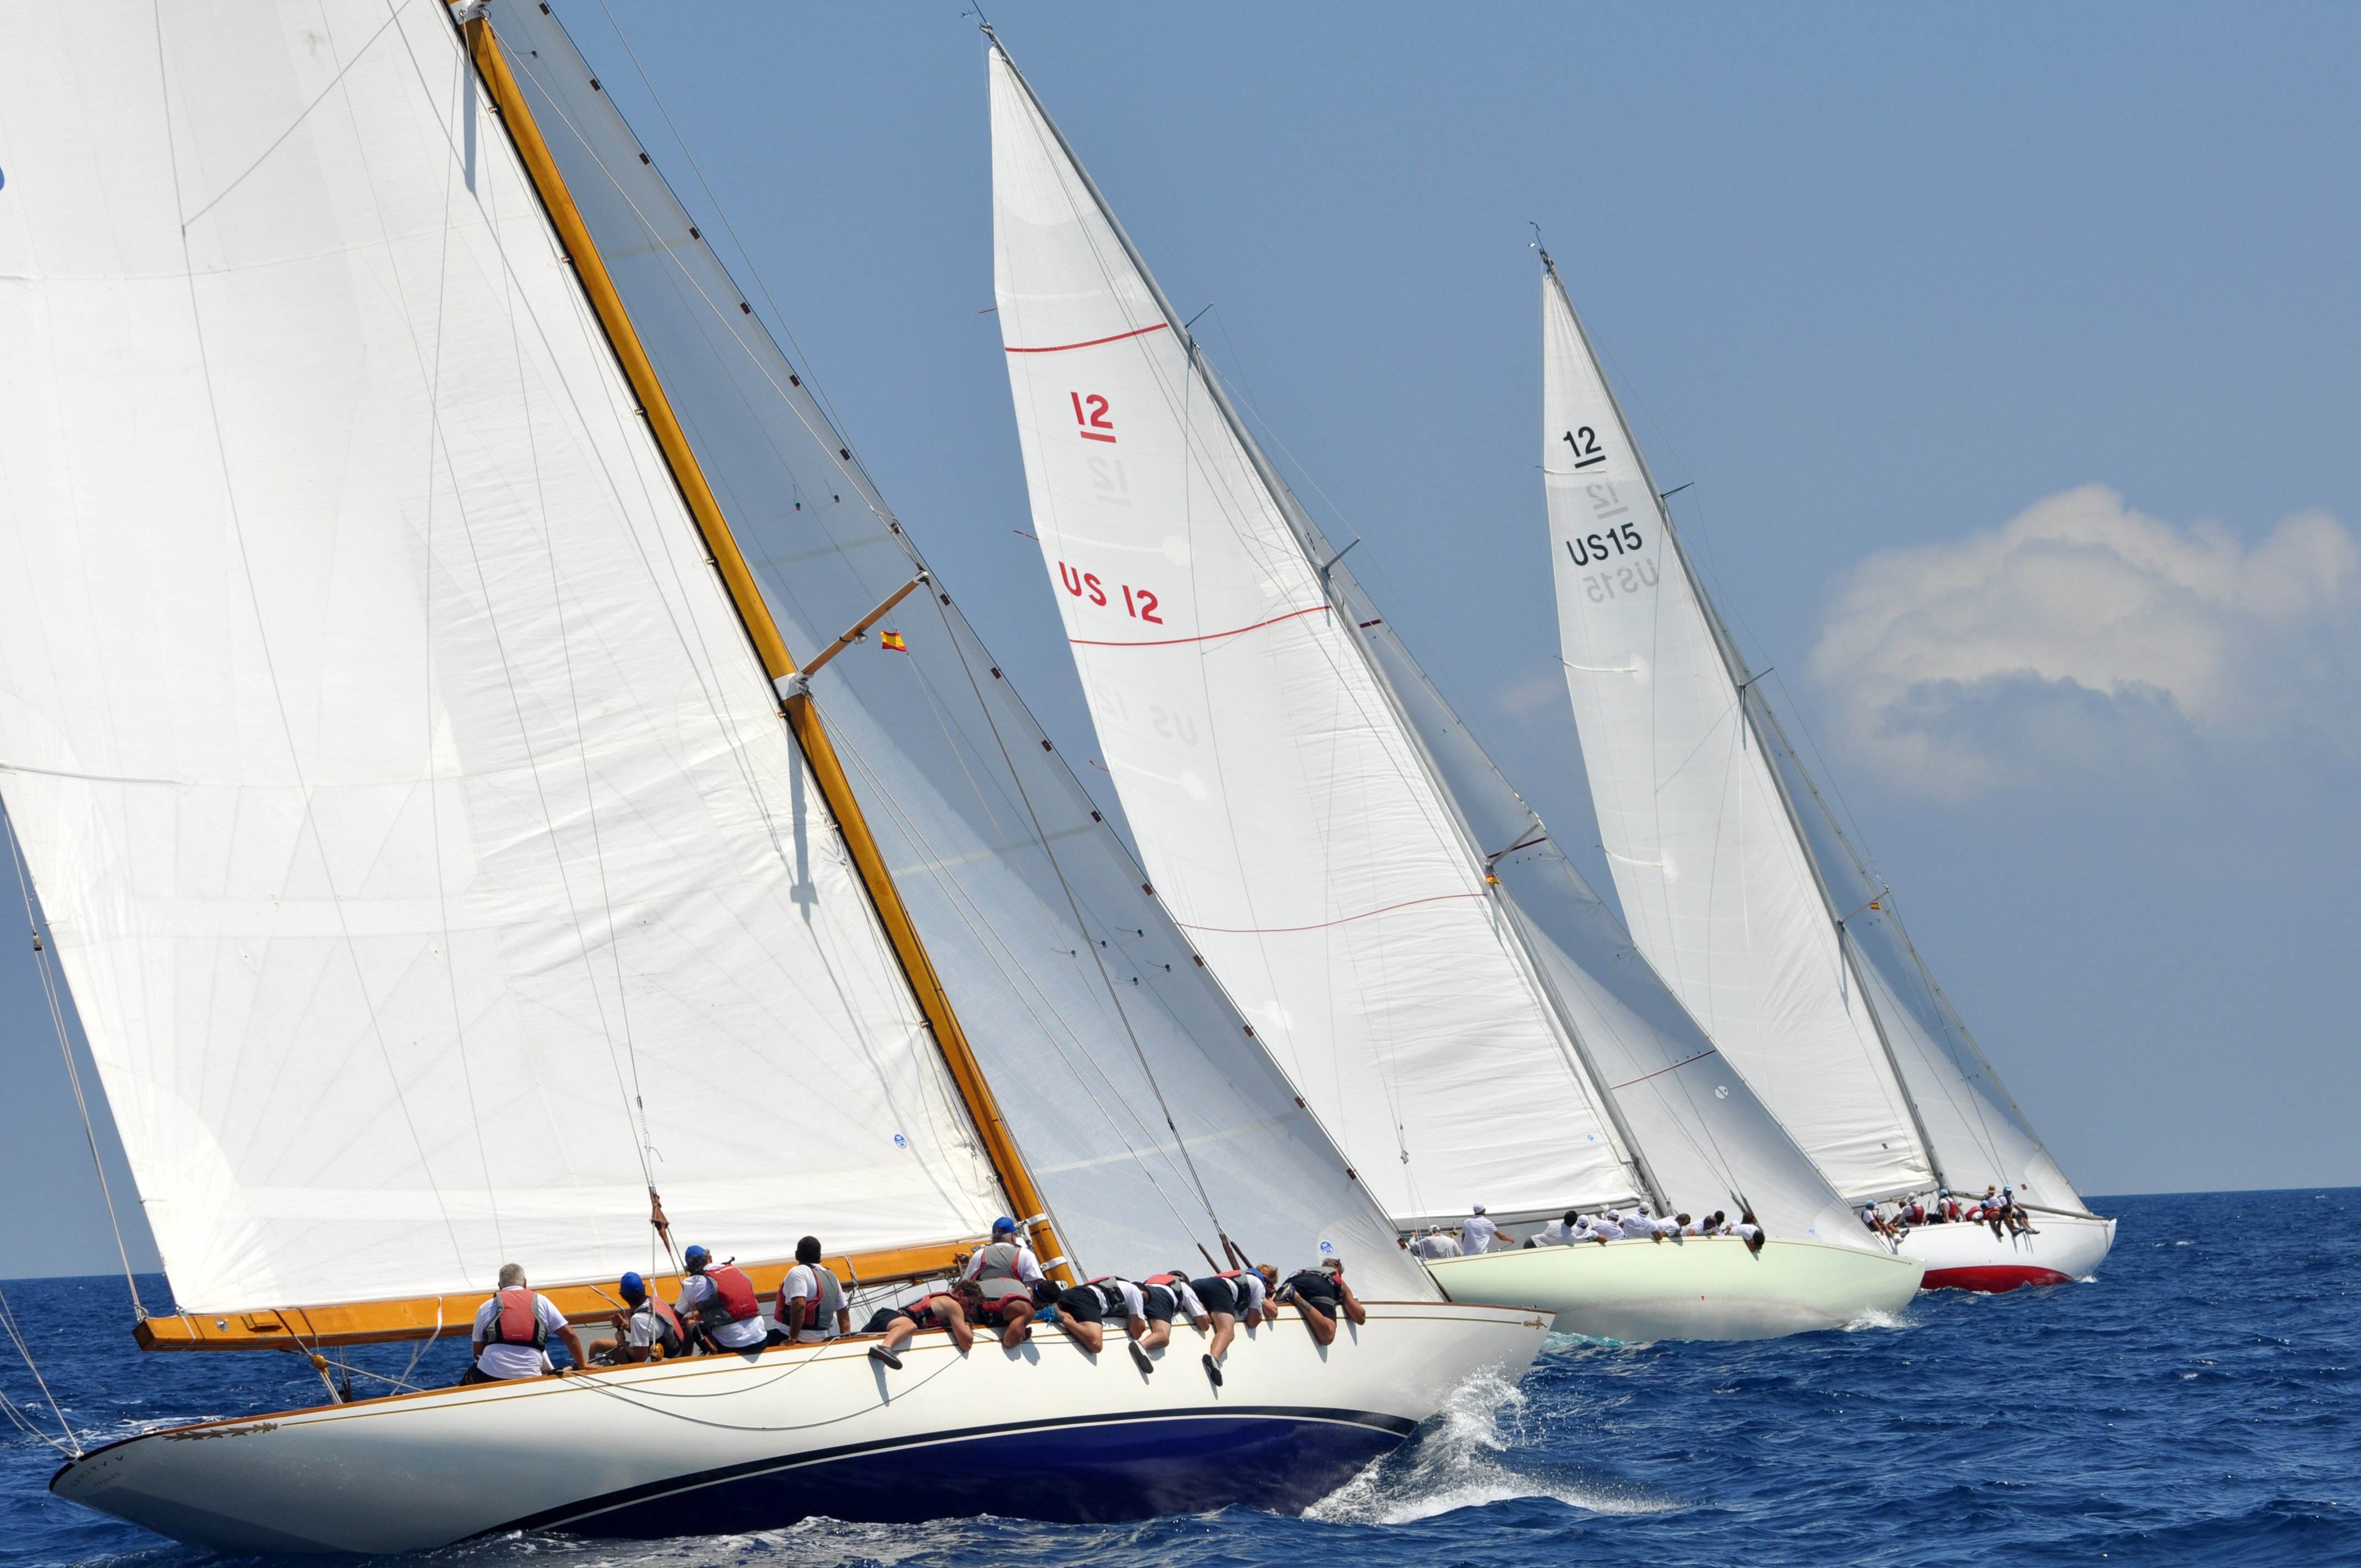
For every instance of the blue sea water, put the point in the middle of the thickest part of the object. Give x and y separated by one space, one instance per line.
2194 1404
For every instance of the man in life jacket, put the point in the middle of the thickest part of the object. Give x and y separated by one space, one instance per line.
1229 1299
811 1300
719 1306
1322 1296
1082 1311
647 1328
1167 1296
1005 1270
512 1329
951 1308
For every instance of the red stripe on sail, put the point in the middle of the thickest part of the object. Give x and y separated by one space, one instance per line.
1208 637
1089 342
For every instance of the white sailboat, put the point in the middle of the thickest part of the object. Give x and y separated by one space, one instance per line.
1282 768
451 864
1740 884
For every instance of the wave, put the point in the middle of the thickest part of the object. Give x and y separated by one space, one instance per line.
1455 1463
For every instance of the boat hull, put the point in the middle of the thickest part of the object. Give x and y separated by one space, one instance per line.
732 1443
1970 1257
1700 1288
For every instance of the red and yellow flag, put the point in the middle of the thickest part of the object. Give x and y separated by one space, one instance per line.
892 641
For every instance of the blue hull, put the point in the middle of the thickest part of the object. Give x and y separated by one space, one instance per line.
1082 1472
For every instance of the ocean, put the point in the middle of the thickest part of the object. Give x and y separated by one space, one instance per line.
2198 1402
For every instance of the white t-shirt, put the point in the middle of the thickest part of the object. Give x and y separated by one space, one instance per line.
514 1360
1435 1245
1475 1234
744 1334
1557 1232
820 1286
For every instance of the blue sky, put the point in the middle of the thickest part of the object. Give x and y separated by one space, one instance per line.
2011 355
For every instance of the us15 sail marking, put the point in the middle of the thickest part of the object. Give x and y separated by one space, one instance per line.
1091 413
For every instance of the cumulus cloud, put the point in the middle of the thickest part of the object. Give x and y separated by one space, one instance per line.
2084 638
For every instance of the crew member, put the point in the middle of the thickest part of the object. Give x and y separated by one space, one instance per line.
1322 1296
811 1300
1005 1270
719 1304
1082 1311
1476 1233
953 1308
647 1328
1563 1232
512 1329
1227 1299
1436 1242
1164 1296
1747 1231
1876 1222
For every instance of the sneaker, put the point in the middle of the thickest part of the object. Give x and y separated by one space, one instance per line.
879 1354
1213 1371
1139 1358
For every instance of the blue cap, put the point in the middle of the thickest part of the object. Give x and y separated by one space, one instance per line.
695 1257
634 1287
1003 1224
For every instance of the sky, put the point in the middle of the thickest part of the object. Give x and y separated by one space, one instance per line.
2009 357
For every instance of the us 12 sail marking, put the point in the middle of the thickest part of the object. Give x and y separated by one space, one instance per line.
1091 413
1585 442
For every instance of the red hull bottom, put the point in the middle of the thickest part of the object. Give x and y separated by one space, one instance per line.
1992 1278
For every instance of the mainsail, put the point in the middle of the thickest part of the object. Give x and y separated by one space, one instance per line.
1296 784
1152 1118
421 838
1734 875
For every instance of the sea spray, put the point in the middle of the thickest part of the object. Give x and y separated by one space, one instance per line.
1455 1462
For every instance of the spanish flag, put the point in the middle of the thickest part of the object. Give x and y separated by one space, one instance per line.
892 642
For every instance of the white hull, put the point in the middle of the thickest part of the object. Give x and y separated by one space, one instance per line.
1970 1257
1701 1287
726 1444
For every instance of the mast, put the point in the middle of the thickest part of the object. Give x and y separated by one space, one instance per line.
762 631
1742 682
1323 561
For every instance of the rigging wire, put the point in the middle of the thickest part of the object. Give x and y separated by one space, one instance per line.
72 1447
49 993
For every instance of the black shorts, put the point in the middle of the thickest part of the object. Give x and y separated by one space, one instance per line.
1081 1304
1326 1305
1219 1295
1159 1304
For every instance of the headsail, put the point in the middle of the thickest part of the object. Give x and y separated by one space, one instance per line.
1277 793
1732 874
423 849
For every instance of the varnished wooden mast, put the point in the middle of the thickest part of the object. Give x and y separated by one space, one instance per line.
492 64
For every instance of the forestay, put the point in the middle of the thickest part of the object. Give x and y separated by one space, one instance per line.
1731 873
1087 1008
423 847
1277 795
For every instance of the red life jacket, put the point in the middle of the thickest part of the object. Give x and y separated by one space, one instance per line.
733 1300
519 1320
671 1338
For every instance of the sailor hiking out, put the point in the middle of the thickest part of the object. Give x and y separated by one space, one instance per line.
1323 1297
1007 1273
1166 1295
1082 1311
954 1309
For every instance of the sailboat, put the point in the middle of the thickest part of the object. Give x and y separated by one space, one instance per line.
452 864
1442 988
1741 885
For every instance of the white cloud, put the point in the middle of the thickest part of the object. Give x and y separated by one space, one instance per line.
2084 638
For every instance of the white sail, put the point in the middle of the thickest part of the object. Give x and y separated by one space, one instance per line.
1151 1119
1707 1140
423 848
1734 879
1277 795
